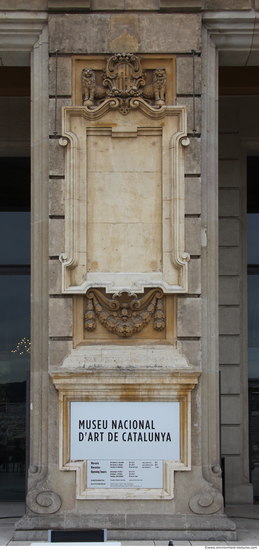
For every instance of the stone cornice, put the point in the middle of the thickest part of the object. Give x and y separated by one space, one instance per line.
232 30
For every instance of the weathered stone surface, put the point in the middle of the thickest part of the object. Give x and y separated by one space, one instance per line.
193 236
229 290
104 5
56 239
194 272
192 351
229 350
192 195
180 5
188 317
170 32
64 76
229 261
147 5
55 277
60 316
55 113
229 202
30 5
230 409
229 231
193 157
56 158
184 72
228 4
56 197
58 350
193 122
230 379
90 33
229 320
230 440
229 173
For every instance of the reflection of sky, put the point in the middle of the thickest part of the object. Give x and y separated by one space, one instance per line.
14 370
253 242
15 312
15 237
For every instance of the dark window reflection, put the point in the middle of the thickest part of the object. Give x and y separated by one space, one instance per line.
14 323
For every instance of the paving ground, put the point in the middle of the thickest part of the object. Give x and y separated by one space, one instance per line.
246 518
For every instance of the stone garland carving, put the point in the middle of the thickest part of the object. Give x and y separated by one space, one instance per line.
123 79
127 316
40 499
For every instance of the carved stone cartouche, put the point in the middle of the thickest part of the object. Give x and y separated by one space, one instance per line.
127 316
123 79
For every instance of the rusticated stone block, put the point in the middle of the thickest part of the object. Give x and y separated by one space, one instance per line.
229 173
192 351
56 158
229 261
184 72
192 195
229 320
230 440
228 4
55 277
229 232
230 409
188 317
63 75
56 197
60 317
230 379
193 236
229 290
170 32
55 117
229 350
193 157
193 113
56 238
58 350
104 5
229 202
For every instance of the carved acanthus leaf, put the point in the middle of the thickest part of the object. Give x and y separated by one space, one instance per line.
123 79
127 316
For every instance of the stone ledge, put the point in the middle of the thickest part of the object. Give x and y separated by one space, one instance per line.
180 5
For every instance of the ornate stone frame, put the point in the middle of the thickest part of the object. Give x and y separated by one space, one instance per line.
114 385
170 124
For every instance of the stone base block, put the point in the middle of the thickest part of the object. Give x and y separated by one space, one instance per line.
129 527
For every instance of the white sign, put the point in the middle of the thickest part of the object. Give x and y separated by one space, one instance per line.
120 474
123 431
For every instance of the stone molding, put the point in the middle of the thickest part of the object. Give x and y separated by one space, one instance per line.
79 126
123 5
124 385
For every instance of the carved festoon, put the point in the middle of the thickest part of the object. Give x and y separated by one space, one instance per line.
126 315
123 80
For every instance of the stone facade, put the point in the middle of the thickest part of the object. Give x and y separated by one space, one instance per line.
182 362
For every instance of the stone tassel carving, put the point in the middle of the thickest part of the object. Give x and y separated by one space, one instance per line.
127 316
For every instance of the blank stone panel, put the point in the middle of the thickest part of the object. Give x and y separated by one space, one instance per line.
229 350
229 173
229 261
60 317
192 195
229 320
229 232
189 317
230 379
229 202
230 409
230 440
184 66
229 290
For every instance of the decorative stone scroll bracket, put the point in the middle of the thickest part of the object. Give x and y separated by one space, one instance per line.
113 384
40 499
125 317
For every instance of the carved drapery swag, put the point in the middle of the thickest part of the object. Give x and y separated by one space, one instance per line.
127 316
123 80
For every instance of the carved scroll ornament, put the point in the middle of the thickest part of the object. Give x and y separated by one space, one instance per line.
127 316
123 79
